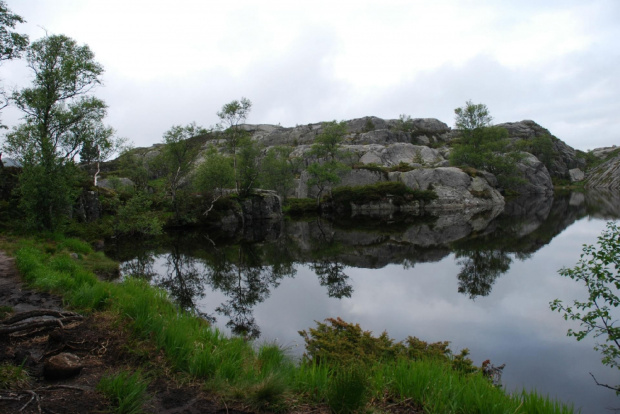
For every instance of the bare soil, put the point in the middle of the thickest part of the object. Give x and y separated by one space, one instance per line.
103 347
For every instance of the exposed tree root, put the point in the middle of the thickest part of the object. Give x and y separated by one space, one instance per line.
38 318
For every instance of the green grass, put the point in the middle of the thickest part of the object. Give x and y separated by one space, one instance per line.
126 391
13 377
265 377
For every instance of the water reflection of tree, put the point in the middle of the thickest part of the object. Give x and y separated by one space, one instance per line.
184 280
240 273
331 274
480 268
140 266
329 270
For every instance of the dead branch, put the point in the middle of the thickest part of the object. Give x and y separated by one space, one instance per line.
617 388
35 397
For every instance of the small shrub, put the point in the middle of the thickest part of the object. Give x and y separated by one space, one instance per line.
268 393
402 167
300 206
368 125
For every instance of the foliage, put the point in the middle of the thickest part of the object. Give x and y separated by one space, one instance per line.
472 117
59 119
598 268
341 343
404 123
250 166
177 157
215 173
231 116
135 216
322 175
46 195
327 168
299 206
126 391
327 145
485 147
541 147
368 125
12 44
278 171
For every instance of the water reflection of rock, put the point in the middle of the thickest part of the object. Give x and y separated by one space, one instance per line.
247 271
603 203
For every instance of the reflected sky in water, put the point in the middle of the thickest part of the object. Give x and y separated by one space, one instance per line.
511 324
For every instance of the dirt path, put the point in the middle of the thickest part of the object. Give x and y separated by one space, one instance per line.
101 348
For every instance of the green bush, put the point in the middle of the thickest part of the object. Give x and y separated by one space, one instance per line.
300 206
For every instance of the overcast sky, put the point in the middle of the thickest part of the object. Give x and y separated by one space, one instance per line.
556 62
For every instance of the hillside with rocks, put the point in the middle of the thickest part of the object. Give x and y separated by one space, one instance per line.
417 154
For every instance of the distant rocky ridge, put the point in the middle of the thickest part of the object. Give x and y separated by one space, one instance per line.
424 145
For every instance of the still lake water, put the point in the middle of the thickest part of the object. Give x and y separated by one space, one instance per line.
482 282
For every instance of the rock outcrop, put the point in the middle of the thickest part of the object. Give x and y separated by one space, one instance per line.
536 175
606 175
454 188
564 158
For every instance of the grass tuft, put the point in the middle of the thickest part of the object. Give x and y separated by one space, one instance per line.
126 391
13 377
347 390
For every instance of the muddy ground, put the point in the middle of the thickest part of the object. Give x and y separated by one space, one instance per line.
102 346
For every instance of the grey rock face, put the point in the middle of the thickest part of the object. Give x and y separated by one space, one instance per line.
565 157
262 205
536 174
112 183
606 175
361 131
454 188
394 154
